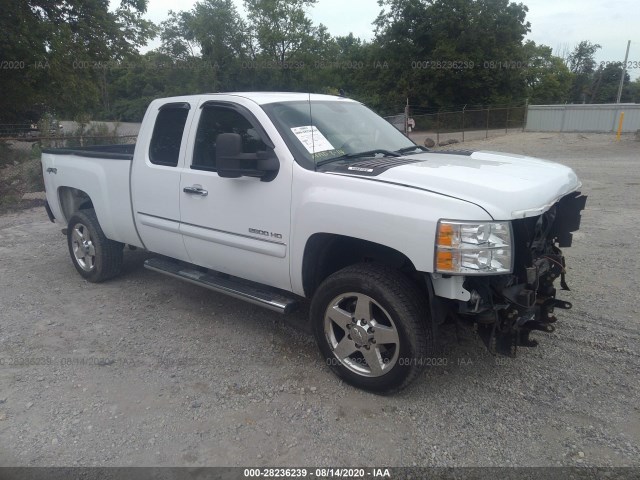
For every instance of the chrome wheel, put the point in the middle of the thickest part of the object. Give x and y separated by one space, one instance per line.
372 326
361 334
83 247
95 257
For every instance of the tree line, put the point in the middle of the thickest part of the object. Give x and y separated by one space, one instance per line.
78 58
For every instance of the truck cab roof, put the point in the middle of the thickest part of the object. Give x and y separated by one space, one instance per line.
263 98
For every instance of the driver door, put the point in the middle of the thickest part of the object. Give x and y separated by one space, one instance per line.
238 226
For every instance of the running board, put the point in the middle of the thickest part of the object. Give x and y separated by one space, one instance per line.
251 292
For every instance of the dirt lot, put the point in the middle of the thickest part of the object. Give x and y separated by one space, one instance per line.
145 370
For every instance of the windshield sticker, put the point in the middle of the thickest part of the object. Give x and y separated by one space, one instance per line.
312 139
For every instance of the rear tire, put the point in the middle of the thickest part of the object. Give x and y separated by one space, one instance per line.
373 327
95 257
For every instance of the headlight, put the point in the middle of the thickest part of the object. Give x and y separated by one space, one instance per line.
473 248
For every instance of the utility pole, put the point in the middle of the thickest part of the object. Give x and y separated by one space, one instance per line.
624 72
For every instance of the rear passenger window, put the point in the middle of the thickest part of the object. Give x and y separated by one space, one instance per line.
167 134
215 120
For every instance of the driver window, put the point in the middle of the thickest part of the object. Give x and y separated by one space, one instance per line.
215 120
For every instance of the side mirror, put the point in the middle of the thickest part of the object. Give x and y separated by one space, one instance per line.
228 152
231 162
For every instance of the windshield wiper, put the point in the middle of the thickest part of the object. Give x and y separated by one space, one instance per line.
368 153
408 150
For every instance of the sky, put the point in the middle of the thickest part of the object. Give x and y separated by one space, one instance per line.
559 24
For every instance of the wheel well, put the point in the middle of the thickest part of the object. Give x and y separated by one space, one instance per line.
72 200
326 253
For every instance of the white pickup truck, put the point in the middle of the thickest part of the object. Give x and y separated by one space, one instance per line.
276 197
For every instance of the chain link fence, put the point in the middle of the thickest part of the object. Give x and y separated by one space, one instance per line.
453 126
442 127
26 137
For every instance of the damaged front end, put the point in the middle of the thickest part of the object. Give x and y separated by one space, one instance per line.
506 308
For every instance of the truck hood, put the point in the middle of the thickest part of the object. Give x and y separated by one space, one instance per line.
507 186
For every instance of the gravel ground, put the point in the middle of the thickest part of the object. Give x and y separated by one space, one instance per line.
146 370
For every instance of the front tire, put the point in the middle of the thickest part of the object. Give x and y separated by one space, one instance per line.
372 326
95 257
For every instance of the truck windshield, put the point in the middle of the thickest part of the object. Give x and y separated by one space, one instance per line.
318 131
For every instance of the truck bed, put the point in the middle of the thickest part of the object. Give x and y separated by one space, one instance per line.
102 173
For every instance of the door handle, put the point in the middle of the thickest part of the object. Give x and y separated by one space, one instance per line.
195 191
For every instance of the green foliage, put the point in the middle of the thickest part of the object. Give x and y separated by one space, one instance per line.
133 84
60 48
21 41
581 60
631 92
595 83
83 57
454 51
547 79
582 64
606 82
281 28
212 31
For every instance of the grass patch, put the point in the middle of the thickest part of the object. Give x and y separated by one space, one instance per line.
20 173
11 156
